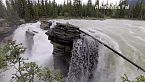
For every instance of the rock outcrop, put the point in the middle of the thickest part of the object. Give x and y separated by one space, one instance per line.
75 54
62 37
45 25
30 40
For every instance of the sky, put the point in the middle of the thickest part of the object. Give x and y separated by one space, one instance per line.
85 1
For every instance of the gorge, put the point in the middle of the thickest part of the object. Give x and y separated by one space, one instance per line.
90 61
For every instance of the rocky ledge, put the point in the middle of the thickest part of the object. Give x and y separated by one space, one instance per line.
63 33
62 37
45 25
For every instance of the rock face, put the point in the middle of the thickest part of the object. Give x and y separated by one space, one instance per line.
63 34
6 29
62 37
45 25
30 40
75 54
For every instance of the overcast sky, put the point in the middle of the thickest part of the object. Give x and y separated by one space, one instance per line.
84 1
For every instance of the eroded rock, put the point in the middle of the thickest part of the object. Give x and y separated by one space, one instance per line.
45 25
62 37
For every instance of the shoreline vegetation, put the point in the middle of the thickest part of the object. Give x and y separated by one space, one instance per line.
31 10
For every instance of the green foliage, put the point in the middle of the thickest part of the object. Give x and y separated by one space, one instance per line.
12 15
25 72
2 10
35 9
48 75
140 78
10 56
3 62
10 53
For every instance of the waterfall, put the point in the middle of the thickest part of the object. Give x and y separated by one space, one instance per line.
29 41
84 60
38 47
90 62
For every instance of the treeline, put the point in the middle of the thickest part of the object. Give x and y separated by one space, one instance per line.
35 9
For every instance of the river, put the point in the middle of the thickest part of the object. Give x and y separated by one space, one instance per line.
125 36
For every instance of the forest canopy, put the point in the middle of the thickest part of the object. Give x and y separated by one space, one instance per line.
35 9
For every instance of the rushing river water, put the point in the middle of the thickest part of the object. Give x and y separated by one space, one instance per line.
125 36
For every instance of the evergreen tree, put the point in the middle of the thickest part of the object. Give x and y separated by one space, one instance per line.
84 10
77 8
2 10
70 7
89 8
54 9
12 16
29 11
21 6
97 7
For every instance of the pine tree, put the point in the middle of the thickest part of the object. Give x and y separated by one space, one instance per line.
89 8
12 15
21 6
70 7
97 7
2 10
29 11
77 8
54 9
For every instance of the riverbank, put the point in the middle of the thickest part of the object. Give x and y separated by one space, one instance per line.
7 28
90 18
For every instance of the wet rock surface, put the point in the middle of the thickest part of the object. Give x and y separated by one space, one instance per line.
75 54
62 36
45 25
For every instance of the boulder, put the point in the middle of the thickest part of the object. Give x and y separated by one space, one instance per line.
45 25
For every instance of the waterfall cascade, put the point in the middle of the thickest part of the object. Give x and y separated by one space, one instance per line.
90 61
84 60
38 47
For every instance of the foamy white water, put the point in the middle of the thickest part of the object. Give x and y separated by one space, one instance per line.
42 49
125 36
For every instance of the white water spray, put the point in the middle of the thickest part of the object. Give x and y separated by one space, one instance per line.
38 47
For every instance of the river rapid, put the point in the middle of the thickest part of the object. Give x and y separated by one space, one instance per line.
125 36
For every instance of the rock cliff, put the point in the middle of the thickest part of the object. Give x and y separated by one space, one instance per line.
62 37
